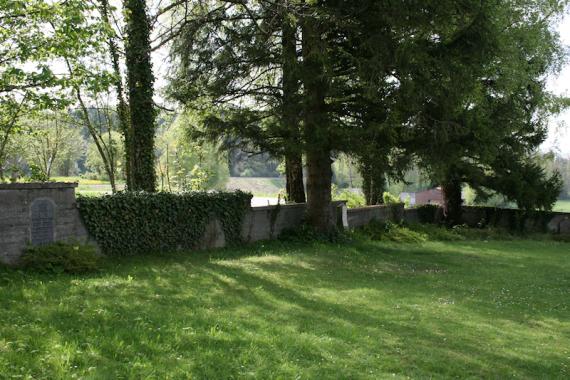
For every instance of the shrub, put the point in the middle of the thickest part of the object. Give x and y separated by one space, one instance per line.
390 199
353 200
561 238
388 231
438 233
132 223
487 233
61 257
305 234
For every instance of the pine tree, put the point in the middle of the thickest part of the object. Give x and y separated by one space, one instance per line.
238 67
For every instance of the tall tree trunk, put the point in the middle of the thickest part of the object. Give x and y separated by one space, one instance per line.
319 181
291 84
122 108
294 177
452 198
141 106
373 183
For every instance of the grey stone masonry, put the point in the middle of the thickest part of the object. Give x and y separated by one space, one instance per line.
361 216
37 213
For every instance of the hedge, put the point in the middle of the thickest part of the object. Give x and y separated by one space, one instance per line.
130 223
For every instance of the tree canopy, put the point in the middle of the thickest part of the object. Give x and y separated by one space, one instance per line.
456 88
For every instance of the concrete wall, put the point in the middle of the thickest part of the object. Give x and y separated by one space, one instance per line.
268 222
539 221
358 217
38 213
41 213
47 212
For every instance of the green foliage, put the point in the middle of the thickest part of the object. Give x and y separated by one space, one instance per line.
389 231
487 233
390 199
187 165
35 37
345 172
140 81
96 165
308 234
489 113
353 199
133 223
555 163
421 233
438 232
61 257
37 174
48 140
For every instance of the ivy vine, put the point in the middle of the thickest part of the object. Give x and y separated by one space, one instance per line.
137 222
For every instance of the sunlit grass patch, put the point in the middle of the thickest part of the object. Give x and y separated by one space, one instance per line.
361 309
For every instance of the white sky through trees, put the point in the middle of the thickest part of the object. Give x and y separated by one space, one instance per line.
559 127
559 131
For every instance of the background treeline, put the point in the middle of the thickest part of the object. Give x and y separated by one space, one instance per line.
454 90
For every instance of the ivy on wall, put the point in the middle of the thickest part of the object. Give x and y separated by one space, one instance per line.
131 223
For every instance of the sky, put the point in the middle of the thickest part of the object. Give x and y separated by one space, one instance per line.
559 128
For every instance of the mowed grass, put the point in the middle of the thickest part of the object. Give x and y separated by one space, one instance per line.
90 187
562 206
360 310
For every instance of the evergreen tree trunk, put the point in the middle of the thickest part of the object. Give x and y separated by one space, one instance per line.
294 177
319 181
373 184
291 83
452 198
141 107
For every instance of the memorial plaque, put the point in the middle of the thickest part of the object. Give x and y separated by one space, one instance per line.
43 222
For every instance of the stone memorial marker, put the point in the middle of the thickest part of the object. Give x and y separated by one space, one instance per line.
564 227
43 222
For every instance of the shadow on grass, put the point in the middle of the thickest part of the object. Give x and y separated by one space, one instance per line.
279 310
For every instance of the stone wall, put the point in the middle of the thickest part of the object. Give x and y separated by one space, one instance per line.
358 217
268 222
46 212
37 213
42 213
533 221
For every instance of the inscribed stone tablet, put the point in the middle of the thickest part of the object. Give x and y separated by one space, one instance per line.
43 222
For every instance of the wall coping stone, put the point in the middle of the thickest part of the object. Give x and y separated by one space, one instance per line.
38 185
291 205
373 207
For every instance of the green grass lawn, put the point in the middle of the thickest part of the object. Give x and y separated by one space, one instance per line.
90 187
563 206
291 311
